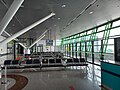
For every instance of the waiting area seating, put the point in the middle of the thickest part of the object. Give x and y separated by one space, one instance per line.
76 62
41 63
12 63
44 59
54 63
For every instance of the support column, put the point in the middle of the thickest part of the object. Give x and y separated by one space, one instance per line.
72 51
5 78
102 47
92 51
14 50
85 51
80 50
76 50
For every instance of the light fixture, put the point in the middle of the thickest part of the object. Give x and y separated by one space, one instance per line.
13 25
52 17
63 5
59 18
91 12
97 5
85 9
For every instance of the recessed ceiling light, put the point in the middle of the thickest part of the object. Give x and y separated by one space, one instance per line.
91 12
97 5
55 25
63 5
52 17
59 18
13 25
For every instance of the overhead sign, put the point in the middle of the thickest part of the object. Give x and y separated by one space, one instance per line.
49 42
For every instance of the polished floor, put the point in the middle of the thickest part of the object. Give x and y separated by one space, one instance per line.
72 78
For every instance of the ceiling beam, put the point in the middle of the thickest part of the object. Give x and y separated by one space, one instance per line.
41 36
37 41
15 40
26 29
9 15
22 45
7 33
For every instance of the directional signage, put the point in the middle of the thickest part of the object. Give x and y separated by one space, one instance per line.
49 42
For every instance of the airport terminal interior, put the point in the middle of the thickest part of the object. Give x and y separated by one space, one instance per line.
59 44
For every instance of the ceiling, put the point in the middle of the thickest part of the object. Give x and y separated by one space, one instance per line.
66 10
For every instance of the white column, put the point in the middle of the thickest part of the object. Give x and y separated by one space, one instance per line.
5 77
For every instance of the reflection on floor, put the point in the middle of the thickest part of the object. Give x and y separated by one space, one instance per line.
72 78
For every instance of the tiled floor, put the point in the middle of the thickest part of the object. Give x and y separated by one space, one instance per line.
73 78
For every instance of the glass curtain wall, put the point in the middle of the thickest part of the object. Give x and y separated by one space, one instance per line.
95 44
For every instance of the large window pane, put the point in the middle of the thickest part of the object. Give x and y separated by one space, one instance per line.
116 23
101 28
89 32
97 42
109 57
89 57
89 46
77 39
97 58
82 46
97 48
110 49
110 41
100 35
88 37
115 31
